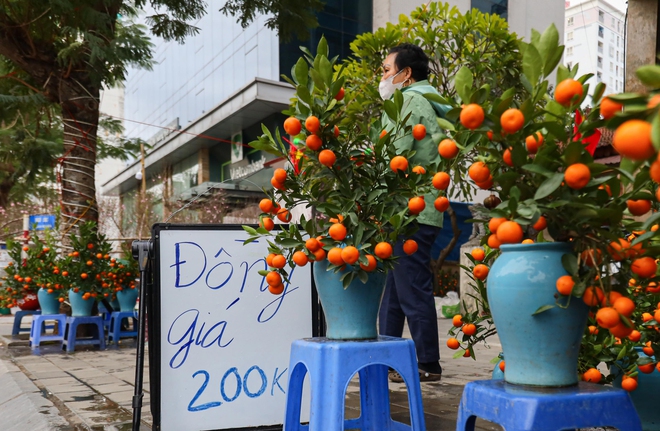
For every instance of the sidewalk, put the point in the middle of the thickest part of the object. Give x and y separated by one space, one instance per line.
47 389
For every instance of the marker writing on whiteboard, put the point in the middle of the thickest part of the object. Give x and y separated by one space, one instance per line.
185 328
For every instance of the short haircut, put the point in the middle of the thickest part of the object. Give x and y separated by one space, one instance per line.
414 57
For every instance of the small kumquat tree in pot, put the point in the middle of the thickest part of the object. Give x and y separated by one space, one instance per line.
86 269
536 156
364 196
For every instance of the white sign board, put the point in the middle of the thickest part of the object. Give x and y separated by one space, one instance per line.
223 340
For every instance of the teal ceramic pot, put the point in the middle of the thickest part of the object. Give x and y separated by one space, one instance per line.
541 349
127 298
645 396
48 302
350 313
79 306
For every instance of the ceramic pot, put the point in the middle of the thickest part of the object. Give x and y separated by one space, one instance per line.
350 313
540 349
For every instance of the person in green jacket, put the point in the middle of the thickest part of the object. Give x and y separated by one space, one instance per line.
409 289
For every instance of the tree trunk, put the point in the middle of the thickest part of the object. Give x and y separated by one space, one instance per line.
80 115
5 187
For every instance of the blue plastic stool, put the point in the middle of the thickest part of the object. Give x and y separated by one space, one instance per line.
39 325
106 314
116 333
18 318
72 323
523 408
331 365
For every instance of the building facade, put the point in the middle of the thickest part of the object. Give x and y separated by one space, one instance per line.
594 35
206 98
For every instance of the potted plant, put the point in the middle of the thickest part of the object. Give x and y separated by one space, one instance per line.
85 271
536 156
363 195
121 279
27 281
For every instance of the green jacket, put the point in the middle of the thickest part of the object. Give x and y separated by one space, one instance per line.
425 112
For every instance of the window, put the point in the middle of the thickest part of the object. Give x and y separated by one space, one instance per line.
618 58
601 16
499 7
613 22
611 83
599 76
599 63
611 36
611 67
569 35
601 31
617 85
340 22
569 21
611 51
618 26
600 47
617 41
569 64
617 71
569 50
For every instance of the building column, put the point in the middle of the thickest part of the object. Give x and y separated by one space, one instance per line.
641 34
204 170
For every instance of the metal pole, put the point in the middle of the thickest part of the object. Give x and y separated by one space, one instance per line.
144 176
140 251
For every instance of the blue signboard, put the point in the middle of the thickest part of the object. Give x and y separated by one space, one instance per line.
42 221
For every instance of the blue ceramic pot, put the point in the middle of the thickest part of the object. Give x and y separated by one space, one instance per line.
127 298
350 313
80 306
541 349
48 302
645 396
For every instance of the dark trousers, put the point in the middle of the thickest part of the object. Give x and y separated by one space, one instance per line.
409 294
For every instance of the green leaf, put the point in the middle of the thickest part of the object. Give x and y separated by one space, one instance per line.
655 132
562 73
532 64
436 98
303 94
651 221
325 69
288 242
542 309
538 169
301 72
463 83
573 152
548 43
598 92
252 231
319 82
570 263
649 75
322 47
549 186
444 124
390 110
553 61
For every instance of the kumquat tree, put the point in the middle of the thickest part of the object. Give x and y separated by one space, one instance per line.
537 156
364 196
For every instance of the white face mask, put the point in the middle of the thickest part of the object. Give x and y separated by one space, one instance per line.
386 88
